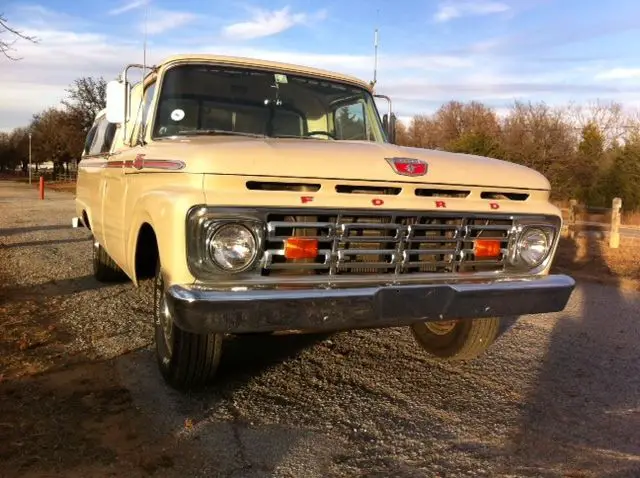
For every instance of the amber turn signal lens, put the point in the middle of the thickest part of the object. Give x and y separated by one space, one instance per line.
486 248
300 248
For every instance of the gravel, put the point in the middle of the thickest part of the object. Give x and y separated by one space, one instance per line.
557 395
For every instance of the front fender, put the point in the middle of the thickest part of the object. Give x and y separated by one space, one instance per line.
164 207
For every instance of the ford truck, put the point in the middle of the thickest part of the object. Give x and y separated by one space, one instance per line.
263 197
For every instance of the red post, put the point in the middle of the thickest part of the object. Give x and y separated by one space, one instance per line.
41 187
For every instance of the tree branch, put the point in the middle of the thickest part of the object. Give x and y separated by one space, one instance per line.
6 46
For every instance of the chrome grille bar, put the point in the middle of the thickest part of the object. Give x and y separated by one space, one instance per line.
360 243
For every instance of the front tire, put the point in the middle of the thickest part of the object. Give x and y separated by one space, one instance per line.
457 340
186 360
104 268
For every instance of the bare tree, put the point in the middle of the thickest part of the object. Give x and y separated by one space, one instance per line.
537 136
17 149
608 116
58 136
86 97
7 45
402 134
422 133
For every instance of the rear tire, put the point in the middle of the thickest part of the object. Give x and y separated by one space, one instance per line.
457 340
186 360
104 268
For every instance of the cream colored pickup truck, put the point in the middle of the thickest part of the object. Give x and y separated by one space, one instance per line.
264 197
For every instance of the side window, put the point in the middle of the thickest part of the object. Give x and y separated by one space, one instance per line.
148 98
89 139
108 137
99 137
350 122
142 123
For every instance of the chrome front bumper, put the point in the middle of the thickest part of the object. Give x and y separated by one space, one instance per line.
202 310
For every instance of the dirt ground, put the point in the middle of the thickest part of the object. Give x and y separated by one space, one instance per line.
80 395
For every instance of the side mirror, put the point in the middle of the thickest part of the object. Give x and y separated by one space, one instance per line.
390 127
116 101
389 120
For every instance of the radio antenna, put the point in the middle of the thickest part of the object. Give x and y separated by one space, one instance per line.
375 57
143 124
144 45
375 54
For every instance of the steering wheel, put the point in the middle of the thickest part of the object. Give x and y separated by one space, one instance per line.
326 133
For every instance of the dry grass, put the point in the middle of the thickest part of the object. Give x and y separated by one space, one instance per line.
631 218
66 187
592 258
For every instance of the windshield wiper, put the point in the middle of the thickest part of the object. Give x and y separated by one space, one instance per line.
219 131
295 136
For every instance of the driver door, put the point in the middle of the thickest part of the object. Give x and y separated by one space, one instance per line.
117 178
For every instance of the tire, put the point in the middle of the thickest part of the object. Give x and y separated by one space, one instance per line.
463 340
186 360
104 268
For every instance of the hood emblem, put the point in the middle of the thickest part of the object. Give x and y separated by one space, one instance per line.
408 166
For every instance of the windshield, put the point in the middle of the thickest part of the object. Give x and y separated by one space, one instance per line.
208 99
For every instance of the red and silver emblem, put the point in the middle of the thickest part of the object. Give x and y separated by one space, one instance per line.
138 163
408 166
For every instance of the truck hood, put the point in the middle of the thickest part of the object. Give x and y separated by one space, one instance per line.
355 160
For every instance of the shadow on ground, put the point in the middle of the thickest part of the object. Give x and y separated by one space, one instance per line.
213 419
13 294
50 242
78 418
27 230
582 416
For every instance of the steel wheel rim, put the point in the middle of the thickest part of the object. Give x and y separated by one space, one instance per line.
442 327
165 321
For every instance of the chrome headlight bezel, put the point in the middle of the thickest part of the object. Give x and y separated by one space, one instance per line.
221 227
524 227
202 226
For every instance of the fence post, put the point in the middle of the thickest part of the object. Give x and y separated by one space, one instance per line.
614 234
573 205
41 187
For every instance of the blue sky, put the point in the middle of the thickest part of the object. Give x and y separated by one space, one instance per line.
430 51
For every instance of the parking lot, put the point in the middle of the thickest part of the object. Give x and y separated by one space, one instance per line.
80 395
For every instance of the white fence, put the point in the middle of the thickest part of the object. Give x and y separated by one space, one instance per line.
581 219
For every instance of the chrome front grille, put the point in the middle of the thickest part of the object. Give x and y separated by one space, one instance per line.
396 244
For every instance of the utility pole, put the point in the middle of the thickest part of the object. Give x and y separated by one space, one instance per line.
29 157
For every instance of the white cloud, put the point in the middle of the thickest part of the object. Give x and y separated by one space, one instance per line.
619 74
450 10
64 55
417 83
127 7
266 23
160 21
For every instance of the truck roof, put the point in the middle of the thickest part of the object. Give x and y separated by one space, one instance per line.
258 63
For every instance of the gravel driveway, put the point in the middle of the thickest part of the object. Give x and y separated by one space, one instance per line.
80 394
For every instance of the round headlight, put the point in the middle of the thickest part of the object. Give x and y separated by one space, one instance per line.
232 247
533 247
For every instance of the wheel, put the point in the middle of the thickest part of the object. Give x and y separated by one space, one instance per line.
457 339
186 360
104 268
